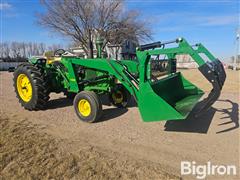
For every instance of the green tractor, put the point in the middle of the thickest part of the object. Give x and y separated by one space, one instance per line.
160 93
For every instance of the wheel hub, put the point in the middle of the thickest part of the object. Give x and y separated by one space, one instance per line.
117 97
84 107
24 87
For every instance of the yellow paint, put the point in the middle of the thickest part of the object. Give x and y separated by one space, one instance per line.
117 97
84 107
49 55
50 60
24 87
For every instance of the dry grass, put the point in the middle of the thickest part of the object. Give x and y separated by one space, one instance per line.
26 153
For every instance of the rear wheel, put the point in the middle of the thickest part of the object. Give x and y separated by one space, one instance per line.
87 106
119 97
30 86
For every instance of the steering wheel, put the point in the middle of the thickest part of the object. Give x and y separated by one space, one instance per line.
59 52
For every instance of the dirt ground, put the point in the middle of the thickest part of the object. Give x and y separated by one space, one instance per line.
54 144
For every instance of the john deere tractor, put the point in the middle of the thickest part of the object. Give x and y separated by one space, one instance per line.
152 79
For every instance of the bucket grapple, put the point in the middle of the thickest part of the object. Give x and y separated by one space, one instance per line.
161 92
174 97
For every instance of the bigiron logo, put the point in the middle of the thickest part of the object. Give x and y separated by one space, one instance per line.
209 169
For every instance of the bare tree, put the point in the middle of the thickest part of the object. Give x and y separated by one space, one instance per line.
42 48
54 47
5 50
15 49
23 49
83 20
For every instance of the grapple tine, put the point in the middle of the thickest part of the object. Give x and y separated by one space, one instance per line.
214 72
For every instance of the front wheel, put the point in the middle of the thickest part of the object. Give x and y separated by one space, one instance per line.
88 106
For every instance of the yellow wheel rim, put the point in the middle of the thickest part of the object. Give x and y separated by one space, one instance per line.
84 107
117 97
24 87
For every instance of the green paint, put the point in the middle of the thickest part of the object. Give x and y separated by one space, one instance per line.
170 98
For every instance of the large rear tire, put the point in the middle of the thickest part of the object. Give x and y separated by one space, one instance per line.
30 85
119 96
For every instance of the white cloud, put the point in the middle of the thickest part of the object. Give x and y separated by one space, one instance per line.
4 6
218 20
168 29
8 10
193 19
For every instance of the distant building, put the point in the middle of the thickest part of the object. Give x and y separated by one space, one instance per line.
127 50
186 61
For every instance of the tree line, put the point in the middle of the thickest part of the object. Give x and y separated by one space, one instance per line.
20 51
234 57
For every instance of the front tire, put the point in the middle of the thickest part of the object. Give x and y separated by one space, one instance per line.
30 86
88 106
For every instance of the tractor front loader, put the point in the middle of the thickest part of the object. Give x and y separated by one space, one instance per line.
160 93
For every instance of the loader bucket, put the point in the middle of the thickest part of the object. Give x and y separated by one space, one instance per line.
173 97
170 98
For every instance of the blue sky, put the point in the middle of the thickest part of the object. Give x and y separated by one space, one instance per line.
212 22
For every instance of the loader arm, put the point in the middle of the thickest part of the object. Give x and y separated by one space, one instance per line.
110 67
